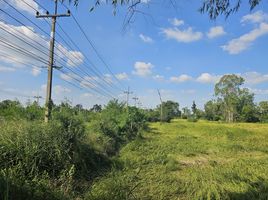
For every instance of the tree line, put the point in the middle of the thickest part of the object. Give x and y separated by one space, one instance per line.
232 103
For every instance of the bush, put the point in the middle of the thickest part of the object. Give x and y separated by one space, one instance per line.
119 124
53 155
192 118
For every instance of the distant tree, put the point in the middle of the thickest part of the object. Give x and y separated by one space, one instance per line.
11 109
34 112
200 114
152 115
228 89
186 112
263 111
96 108
246 109
170 110
213 110
194 109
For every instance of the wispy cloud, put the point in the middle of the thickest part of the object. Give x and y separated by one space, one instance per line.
38 58
216 31
36 71
146 39
176 22
256 17
6 69
122 76
255 78
208 78
184 35
180 79
143 69
19 4
242 43
158 77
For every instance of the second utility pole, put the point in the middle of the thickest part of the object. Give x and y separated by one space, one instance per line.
161 106
54 16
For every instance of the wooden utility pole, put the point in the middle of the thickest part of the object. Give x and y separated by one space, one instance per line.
161 106
54 16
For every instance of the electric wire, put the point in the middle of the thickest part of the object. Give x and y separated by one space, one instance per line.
41 45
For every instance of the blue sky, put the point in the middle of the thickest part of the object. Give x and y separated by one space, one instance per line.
176 50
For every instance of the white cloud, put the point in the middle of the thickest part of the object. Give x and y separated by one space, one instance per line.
190 91
89 82
69 76
176 22
255 78
122 76
19 4
158 77
242 43
36 71
258 91
143 69
58 89
256 17
29 35
108 78
208 78
6 69
145 1
215 31
186 35
87 95
146 39
181 78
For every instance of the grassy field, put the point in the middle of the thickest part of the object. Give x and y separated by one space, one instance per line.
184 160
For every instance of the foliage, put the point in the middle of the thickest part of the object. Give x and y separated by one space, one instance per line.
38 160
120 124
215 8
186 112
170 110
237 103
214 110
152 115
263 111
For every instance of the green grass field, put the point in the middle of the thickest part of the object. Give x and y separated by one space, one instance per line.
184 160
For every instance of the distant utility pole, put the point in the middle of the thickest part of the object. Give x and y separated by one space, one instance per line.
161 106
135 99
51 56
128 93
37 97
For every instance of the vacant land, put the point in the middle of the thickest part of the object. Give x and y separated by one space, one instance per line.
184 160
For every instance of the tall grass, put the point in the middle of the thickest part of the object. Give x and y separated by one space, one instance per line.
45 161
185 160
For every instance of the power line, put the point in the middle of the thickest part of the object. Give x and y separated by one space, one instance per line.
29 53
100 76
24 52
48 35
93 46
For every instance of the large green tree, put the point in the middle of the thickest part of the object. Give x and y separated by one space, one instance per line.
228 89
